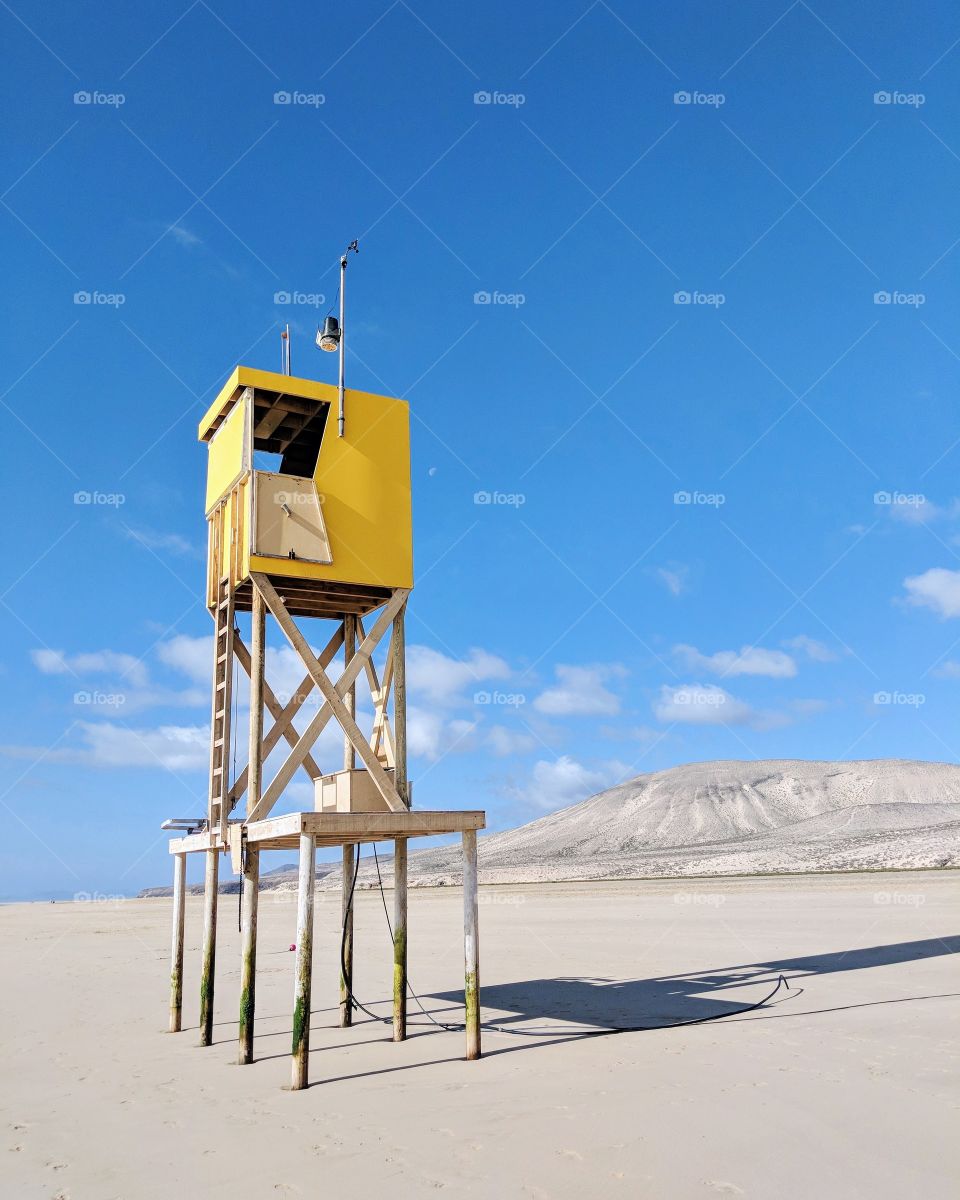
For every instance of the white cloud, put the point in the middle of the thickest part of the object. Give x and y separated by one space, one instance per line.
105 744
504 742
750 660
948 670
937 589
566 781
581 691
183 236
154 540
438 678
97 662
285 672
813 649
192 656
178 747
916 509
431 736
675 581
701 704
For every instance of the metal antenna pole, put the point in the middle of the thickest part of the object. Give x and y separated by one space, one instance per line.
343 279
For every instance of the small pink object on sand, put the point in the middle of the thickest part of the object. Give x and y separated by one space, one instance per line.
293 945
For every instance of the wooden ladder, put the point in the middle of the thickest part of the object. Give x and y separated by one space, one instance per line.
223 616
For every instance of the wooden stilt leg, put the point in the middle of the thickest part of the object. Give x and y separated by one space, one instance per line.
248 963
349 763
350 699
208 968
346 966
251 862
400 706
399 939
471 944
304 965
176 949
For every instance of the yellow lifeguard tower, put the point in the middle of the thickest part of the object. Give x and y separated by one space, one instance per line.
324 530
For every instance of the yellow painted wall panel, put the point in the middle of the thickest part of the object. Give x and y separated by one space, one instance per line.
228 455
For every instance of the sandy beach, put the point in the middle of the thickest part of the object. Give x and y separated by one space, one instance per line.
846 1088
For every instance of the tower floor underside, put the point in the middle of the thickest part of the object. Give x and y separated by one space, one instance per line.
337 829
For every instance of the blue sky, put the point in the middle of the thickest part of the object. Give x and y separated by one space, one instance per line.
711 397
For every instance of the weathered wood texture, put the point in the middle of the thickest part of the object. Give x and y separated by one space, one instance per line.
299 1069
176 946
399 657
334 829
399 939
350 698
471 944
248 960
208 964
346 917
251 855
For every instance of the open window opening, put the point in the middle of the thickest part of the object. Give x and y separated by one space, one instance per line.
288 430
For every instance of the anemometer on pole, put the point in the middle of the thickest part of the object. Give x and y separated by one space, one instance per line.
331 338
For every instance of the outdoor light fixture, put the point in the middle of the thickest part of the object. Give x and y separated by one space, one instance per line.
328 338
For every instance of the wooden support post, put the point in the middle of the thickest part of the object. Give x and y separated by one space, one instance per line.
400 706
471 943
176 948
346 913
349 764
350 699
399 939
304 964
208 968
251 859
248 962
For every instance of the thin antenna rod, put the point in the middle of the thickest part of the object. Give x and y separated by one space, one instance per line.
343 278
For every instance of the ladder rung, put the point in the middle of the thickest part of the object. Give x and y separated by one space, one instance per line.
218 770
218 742
222 684
223 658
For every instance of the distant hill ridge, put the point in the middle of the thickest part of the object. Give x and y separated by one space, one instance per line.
722 818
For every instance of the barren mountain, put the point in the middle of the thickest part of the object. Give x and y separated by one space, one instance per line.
718 818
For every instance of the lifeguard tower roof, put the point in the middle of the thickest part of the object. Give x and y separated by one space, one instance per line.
332 524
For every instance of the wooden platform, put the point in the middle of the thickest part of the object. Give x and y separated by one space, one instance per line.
317 597
339 829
